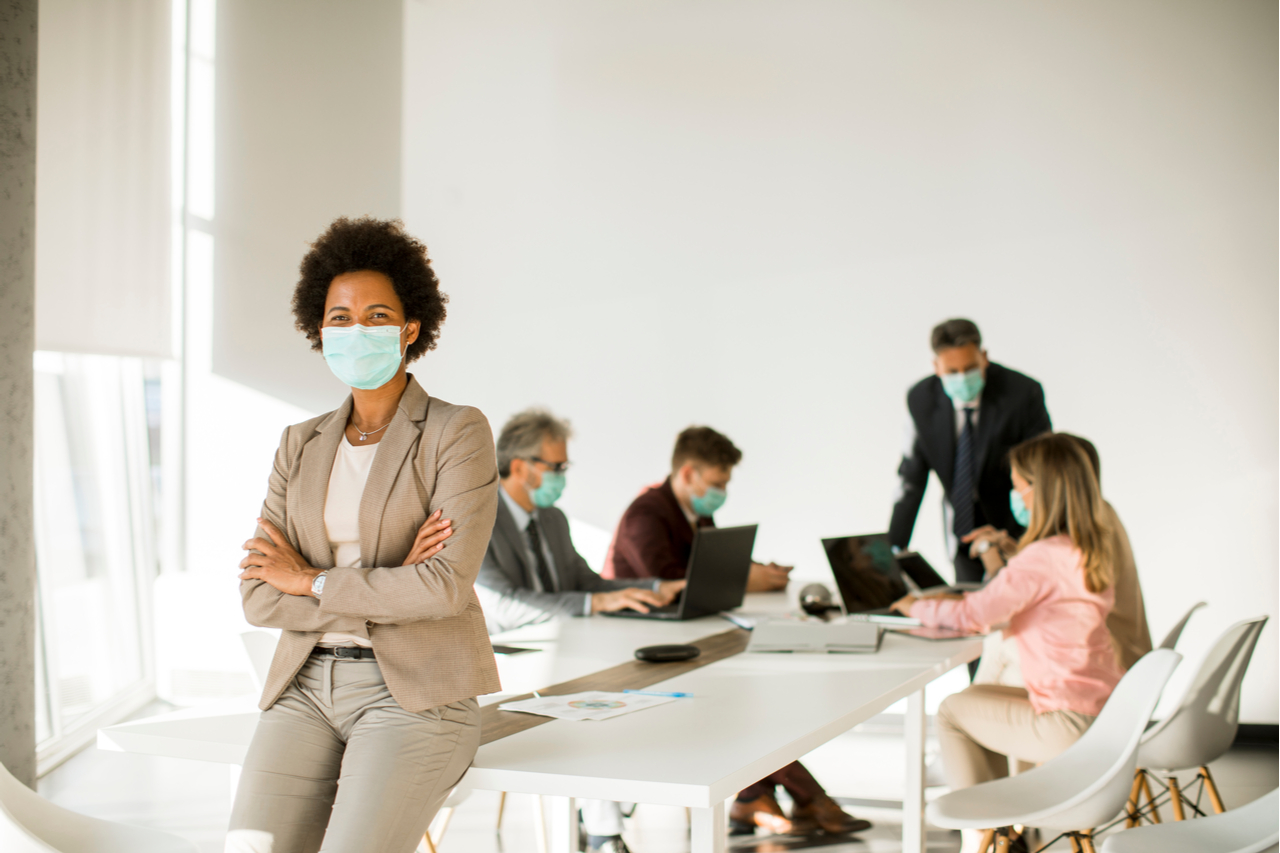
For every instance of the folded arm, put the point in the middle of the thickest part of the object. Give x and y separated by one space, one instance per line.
264 605
440 586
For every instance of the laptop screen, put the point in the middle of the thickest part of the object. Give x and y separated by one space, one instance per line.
865 571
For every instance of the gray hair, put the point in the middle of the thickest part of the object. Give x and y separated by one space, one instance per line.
955 333
522 436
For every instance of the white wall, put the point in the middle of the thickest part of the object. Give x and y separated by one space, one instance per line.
307 129
750 214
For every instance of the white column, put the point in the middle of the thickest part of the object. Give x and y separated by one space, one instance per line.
913 792
564 824
709 834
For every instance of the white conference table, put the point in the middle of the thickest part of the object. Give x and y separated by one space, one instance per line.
751 715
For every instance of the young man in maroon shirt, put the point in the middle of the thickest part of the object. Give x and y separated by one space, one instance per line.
653 540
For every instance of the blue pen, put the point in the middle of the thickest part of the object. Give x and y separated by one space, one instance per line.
656 693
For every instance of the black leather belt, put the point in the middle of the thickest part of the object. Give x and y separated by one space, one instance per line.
343 653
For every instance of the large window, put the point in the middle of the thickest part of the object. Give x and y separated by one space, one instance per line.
98 426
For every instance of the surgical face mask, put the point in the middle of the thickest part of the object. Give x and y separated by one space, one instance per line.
549 492
1021 514
364 357
963 387
711 501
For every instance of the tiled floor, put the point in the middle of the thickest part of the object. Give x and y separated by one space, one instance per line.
864 767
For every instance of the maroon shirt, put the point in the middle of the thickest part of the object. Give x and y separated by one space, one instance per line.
653 539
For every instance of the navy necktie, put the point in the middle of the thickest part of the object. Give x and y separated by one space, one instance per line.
539 558
962 479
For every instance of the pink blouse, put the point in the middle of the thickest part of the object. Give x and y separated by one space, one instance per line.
1068 662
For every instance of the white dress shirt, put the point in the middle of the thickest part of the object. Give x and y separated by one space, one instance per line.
342 520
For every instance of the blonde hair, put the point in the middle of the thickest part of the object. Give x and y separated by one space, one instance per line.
1067 501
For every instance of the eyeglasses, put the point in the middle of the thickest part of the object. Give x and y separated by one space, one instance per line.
557 467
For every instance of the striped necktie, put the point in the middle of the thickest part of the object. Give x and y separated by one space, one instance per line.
962 479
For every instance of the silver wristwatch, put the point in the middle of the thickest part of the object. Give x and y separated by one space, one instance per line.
983 546
317 585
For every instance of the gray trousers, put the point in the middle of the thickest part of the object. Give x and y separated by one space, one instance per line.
336 765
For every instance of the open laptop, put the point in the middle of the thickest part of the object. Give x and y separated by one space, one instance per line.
717 575
870 578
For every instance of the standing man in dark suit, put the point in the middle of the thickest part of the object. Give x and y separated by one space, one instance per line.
532 573
964 420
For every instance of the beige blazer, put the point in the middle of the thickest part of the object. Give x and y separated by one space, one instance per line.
424 620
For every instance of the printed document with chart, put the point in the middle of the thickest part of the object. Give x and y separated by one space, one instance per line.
589 705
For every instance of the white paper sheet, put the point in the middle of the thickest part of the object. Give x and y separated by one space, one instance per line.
590 705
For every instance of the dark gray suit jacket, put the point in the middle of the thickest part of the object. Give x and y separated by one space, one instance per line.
506 584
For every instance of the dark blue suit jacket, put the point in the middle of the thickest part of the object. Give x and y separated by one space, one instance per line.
1011 412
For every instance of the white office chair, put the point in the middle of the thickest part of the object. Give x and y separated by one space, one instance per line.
260 646
1171 639
31 824
1201 729
1248 829
1084 786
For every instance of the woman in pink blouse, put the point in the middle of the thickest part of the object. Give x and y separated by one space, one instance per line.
1054 595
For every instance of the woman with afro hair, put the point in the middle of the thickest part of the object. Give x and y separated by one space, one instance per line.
376 520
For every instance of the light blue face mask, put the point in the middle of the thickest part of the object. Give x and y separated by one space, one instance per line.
963 387
1021 514
707 505
549 492
364 357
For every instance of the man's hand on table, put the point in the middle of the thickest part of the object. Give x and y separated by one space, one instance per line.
768 577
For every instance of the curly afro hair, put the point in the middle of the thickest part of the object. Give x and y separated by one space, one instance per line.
378 245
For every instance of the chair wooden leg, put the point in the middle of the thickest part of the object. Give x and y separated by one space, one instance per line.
444 817
1086 841
1175 798
1151 801
502 804
1075 843
1214 798
987 836
431 845
1135 801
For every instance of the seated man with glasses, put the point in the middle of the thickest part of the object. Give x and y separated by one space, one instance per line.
532 573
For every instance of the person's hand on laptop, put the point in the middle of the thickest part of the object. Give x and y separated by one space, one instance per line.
768 577
629 598
670 589
903 605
